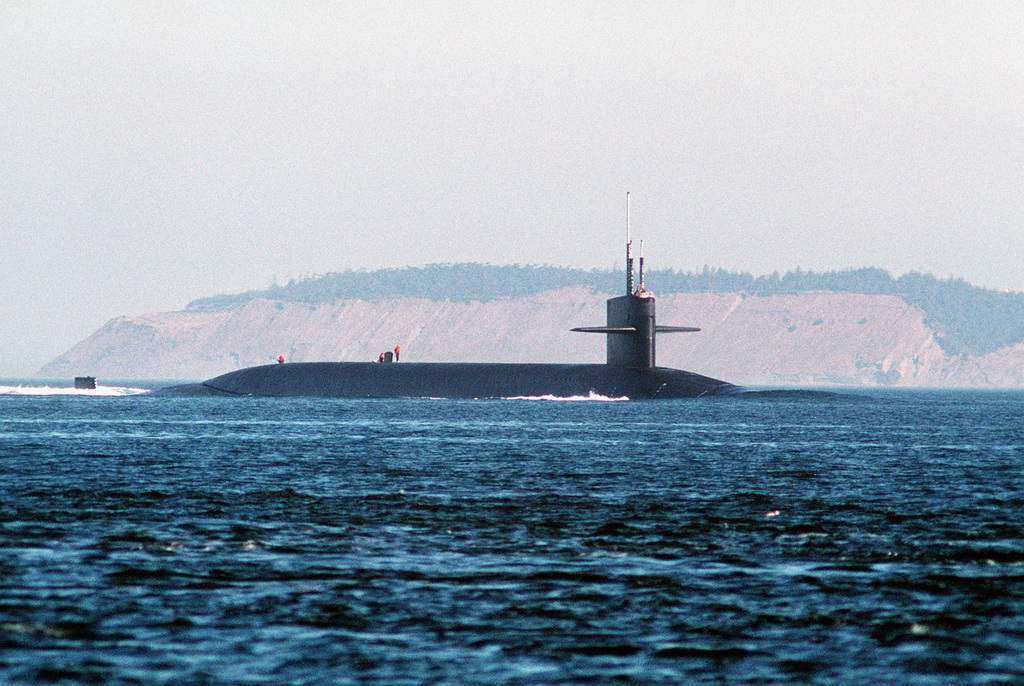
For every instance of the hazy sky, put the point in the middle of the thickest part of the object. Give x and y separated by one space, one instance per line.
156 152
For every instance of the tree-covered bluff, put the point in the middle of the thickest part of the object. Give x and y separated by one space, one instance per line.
967 319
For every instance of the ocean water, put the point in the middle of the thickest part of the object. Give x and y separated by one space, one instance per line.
769 538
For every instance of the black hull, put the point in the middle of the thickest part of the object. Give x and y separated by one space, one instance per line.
631 370
455 380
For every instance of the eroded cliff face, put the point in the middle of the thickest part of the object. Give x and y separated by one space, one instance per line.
803 339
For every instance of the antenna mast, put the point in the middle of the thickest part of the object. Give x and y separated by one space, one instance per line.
641 271
629 252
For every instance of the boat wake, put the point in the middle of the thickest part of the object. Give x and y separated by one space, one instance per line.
773 394
572 398
63 390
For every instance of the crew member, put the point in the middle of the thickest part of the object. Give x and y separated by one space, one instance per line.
398 349
381 358
280 359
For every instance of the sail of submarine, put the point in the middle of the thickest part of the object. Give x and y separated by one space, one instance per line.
631 327
629 371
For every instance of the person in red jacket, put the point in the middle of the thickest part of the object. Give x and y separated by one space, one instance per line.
398 349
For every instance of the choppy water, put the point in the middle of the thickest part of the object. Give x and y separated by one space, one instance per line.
772 538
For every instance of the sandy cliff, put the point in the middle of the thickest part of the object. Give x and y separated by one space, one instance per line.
804 339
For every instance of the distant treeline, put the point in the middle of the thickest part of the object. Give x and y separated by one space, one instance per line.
968 319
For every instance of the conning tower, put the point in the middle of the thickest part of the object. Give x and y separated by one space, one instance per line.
631 327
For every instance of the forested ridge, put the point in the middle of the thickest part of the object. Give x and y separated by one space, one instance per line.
967 319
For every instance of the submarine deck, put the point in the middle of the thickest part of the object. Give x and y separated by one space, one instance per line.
455 380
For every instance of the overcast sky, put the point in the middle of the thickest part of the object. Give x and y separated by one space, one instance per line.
156 152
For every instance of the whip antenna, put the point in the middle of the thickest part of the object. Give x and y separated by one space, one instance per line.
629 252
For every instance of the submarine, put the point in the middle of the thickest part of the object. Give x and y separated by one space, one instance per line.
629 371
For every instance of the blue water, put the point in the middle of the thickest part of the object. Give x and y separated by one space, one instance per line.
770 538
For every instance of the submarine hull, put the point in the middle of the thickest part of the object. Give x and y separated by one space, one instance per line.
455 380
630 371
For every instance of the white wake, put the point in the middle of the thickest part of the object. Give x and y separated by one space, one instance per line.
572 398
62 390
